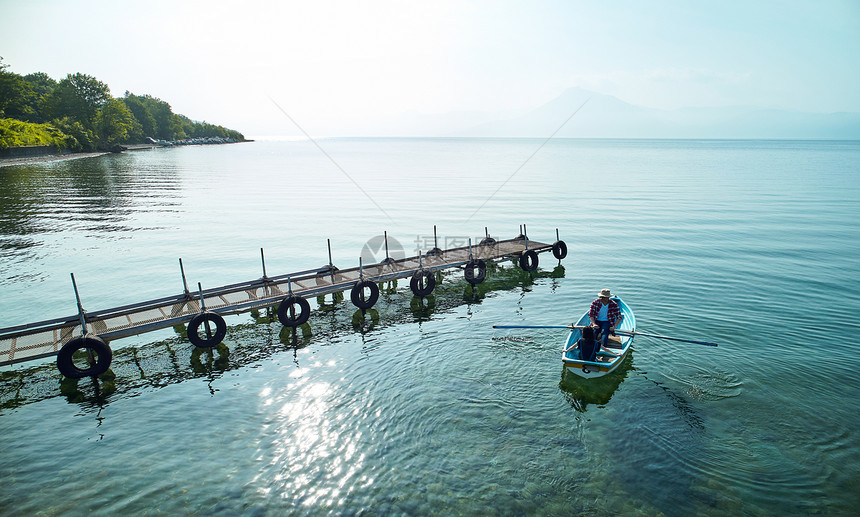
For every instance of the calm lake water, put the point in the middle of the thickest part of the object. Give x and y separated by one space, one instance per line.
428 410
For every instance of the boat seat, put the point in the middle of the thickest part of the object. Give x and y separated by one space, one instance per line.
614 342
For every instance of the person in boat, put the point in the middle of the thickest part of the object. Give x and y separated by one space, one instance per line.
605 315
587 344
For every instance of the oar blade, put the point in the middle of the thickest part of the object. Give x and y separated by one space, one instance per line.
634 333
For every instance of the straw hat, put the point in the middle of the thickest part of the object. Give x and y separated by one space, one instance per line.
605 293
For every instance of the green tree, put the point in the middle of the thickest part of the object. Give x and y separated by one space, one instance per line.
41 83
82 139
142 114
168 125
204 129
116 124
16 96
79 97
7 87
81 107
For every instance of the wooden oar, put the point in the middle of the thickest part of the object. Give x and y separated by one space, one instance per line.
569 327
533 326
617 331
634 333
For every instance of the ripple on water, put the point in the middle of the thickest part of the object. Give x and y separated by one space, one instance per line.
739 467
705 384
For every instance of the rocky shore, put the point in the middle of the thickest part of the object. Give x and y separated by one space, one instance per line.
196 141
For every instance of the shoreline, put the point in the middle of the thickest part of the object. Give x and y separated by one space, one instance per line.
47 158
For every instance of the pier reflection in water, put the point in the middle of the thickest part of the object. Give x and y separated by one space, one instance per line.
253 339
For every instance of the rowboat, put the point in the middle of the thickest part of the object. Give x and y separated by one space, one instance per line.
606 362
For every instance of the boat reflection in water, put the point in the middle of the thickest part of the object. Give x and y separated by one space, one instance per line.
581 392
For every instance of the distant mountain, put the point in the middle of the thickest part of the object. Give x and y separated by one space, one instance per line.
414 123
605 116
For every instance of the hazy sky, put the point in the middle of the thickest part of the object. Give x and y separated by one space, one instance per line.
336 65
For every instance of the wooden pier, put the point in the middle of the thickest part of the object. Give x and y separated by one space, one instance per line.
205 308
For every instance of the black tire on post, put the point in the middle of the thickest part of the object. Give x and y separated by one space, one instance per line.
299 319
89 341
529 260
356 295
201 319
475 272
559 249
429 283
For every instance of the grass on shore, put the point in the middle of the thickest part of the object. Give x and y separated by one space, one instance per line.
15 133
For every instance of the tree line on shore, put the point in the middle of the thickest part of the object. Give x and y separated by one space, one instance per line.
79 114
